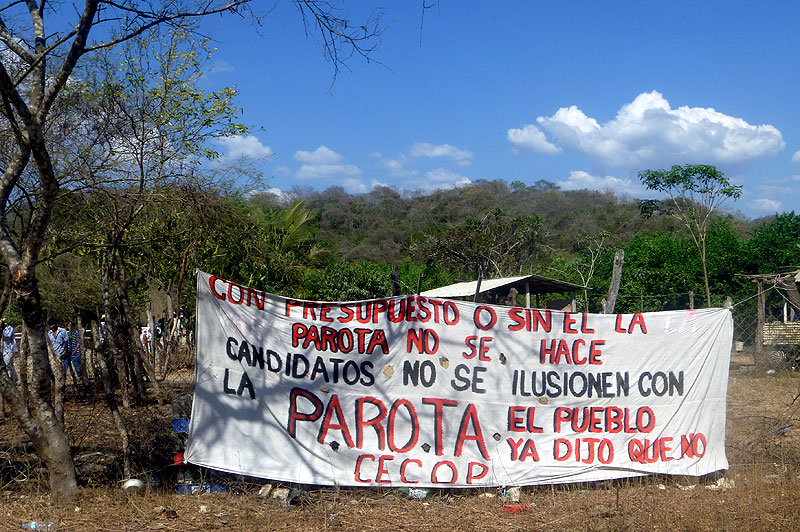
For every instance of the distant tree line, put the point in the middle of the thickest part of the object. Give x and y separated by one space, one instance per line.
331 245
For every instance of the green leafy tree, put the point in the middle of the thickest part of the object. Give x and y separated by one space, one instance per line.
344 281
659 272
694 193
775 244
775 248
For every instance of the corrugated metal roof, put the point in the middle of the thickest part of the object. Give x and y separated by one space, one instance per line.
537 284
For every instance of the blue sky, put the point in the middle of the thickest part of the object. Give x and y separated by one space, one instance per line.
583 94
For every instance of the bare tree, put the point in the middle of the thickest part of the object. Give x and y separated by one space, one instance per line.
590 249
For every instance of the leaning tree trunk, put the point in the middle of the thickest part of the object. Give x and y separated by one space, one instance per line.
129 335
42 425
173 318
130 348
168 337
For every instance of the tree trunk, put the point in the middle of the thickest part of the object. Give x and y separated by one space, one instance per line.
151 343
59 381
140 358
47 432
131 345
170 336
114 342
705 273
22 374
101 349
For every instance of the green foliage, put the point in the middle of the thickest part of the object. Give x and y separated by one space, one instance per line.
140 199
159 113
774 246
662 268
70 284
494 245
659 272
344 281
380 224
432 276
691 181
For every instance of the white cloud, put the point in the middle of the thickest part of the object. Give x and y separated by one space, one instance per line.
280 194
248 147
579 180
648 133
322 155
425 149
321 171
441 178
324 163
796 157
776 188
356 186
532 139
766 205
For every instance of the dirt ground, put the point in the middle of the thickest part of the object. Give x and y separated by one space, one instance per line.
758 492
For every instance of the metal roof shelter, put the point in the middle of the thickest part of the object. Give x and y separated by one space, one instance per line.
526 284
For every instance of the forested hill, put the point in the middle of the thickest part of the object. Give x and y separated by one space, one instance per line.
380 225
334 246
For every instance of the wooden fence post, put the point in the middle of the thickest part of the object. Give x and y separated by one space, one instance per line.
613 289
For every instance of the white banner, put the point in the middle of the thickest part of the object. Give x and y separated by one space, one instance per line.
415 391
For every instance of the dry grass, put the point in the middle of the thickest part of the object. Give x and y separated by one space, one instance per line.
765 466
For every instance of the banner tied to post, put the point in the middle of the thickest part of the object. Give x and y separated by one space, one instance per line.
424 392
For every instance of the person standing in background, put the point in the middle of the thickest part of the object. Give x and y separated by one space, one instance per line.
59 339
10 348
74 347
